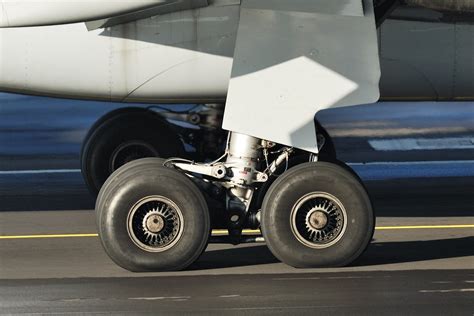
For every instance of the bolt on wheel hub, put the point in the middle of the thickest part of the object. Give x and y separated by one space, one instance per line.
154 223
317 219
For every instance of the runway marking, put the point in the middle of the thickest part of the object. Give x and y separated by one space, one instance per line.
424 227
147 298
446 291
219 232
321 278
49 236
296 279
175 298
278 308
40 171
348 277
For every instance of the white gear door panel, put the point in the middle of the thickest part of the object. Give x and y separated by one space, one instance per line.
294 58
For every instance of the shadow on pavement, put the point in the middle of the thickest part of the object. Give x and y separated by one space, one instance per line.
234 257
413 251
378 253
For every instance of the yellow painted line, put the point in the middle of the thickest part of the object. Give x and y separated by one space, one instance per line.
217 232
48 236
424 227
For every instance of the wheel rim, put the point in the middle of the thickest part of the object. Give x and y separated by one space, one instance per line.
318 220
155 223
130 151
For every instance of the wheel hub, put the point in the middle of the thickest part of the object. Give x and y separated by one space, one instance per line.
155 224
318 220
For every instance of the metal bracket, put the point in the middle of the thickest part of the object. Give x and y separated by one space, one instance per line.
218 171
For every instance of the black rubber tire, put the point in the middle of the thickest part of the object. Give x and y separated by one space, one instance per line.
134 125
317 177
140 179
130 168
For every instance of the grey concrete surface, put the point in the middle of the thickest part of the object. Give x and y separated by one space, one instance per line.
412 271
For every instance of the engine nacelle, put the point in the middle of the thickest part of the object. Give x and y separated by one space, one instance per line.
445 5
17 13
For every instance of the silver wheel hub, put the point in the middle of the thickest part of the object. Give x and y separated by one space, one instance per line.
318 220
155 224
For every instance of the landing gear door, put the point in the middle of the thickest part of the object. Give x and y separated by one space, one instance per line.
296 57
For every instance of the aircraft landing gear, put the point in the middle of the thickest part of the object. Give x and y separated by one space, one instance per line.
152 214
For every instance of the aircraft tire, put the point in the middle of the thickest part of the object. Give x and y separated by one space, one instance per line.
121 138
133 166
317 214
152 218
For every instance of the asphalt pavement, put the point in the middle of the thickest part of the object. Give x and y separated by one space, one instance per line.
404 293
416 160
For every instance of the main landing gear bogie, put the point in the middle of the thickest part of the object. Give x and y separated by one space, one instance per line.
153 216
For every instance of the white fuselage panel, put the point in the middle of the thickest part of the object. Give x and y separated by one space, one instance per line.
187 56
177 57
